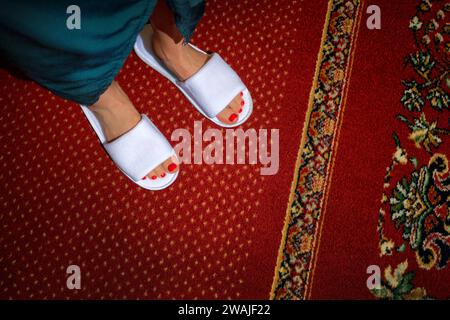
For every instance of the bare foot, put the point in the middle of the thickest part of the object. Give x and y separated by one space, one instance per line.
184 62
117 115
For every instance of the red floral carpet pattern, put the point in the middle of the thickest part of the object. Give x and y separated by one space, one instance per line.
416 200
378 124
213 234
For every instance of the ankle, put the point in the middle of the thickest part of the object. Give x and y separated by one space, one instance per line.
115 120
165 48
115 109
112 99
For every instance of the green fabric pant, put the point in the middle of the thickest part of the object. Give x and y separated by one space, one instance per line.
79 64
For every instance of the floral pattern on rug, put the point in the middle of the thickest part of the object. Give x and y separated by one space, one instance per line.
304 211
417 203
397 285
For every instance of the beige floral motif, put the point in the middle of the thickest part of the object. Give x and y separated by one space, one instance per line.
415 23
306 241
317 184
392 277
386 247
400 156
338 75
328 126
397 285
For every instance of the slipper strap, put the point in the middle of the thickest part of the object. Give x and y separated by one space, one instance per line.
140 150
214 86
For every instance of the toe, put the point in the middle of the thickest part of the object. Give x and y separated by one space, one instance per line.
160 172
236 104
171 165
230 114
152 175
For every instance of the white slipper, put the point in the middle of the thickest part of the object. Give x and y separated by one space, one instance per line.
138 151
210 90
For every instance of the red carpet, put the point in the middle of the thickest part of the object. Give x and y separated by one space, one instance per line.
372 186
353 190
213 234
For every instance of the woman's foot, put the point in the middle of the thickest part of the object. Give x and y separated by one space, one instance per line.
183 60
117 115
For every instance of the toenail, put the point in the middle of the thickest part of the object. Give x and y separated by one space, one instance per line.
163 175
242 102
233 117
241 94
154 177
240 110
144 178
172 167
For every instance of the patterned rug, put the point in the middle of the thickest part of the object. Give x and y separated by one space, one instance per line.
213 234
362 189
369 212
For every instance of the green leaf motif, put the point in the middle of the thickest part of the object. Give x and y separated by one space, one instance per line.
438 98
398 285
412 98
424 133
422 63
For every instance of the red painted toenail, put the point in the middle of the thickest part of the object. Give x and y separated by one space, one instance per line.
144 178
241 94
172 167
233 117
154 177
240 110
163 175
242 103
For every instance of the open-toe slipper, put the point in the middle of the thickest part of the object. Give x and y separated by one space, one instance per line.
209 90
138 151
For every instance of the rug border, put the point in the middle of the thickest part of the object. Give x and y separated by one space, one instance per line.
300 150
353 46
335 143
